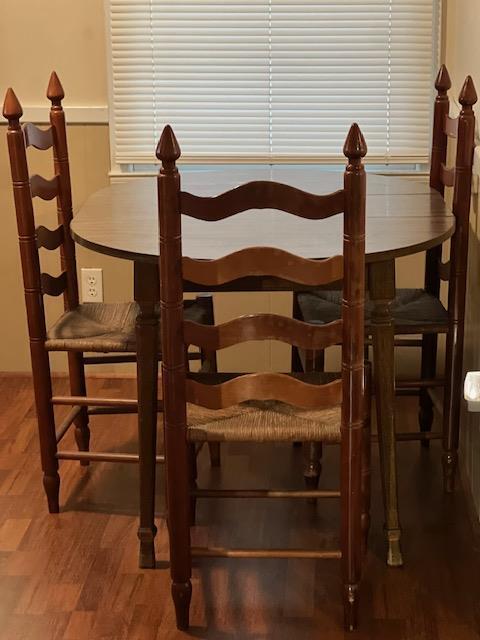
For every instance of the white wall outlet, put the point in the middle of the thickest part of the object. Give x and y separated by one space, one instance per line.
92 285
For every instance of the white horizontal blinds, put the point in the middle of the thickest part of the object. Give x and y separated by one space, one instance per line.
204 68
413 66
134 76
329 68
272 79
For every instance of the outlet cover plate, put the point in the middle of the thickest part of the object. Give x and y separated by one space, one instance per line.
92 285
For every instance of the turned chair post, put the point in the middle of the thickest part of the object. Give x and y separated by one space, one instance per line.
353 409
68 263
433 256
174 375
457 283
27 237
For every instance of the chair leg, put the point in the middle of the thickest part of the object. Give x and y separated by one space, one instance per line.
208 361
192 474
451 406
366 463
78 387
147 380
351 506
42 384
178 520
313 466
314 361
428 369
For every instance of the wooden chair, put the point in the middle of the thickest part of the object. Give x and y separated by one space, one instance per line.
92 327
263 406
419 311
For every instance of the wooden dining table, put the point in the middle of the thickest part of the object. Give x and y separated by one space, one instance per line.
404 217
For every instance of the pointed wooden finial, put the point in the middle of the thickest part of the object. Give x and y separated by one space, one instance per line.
12 109
443 82
55 92
168 149
355 146
468 94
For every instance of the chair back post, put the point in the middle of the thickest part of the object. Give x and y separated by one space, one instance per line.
439 156
353 410
27 236
459 253
56 94
439 138
173 355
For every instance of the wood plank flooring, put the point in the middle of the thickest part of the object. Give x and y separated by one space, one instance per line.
74 576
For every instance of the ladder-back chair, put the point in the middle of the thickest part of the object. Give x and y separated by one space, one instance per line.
100 328
263 406
420 311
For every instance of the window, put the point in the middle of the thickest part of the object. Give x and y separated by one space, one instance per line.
272 80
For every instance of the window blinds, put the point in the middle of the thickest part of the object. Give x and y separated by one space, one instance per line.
272 79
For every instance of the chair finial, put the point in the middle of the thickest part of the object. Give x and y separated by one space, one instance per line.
443 82
468 94
168 149
55 92
12 109
355 146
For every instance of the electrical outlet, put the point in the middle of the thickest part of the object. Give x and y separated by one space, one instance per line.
92 285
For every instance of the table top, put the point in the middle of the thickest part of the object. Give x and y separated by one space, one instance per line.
404 216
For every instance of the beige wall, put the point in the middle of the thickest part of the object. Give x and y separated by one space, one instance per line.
463 58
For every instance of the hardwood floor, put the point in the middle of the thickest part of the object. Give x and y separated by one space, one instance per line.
74 576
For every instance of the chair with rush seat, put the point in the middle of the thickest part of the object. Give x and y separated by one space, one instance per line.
420 311
264 407
94 327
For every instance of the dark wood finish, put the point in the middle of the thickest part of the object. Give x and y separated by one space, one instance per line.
458 281
42 188
146 295
264 386
267 260
67 422
262 195
403 217
37 284
99 456
262 326
12 111
50 239
262 493
381 279
41 139
54 285
173 377
178 387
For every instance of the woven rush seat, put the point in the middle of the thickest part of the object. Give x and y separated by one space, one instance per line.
265 421
413 310
103 327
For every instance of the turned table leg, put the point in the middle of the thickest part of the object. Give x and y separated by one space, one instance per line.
382 293
147 295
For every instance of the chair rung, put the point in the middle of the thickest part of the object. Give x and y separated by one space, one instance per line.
118 358
419 435
262 493
67 422
420 384
219 552
98 456
110 411
85 401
